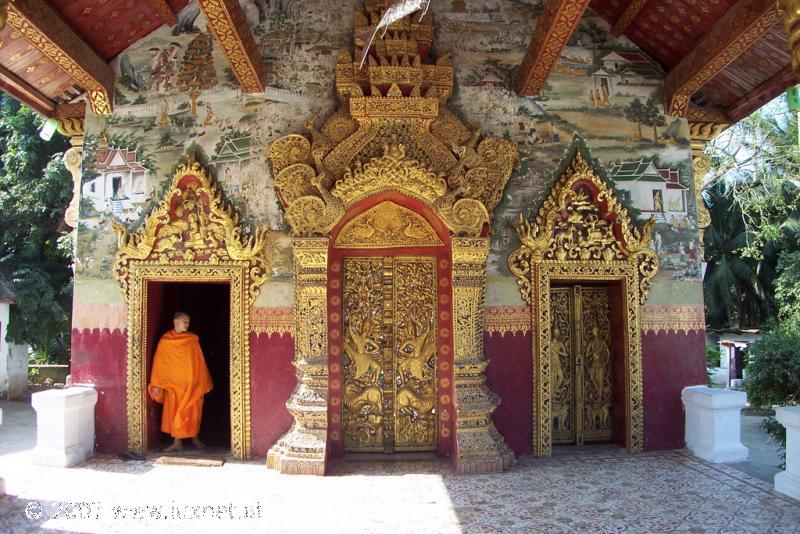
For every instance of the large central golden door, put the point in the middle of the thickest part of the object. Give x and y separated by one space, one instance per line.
389 354
580 365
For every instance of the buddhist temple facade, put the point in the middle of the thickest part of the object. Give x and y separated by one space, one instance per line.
484 242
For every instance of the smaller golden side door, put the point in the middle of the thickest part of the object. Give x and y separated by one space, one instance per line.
580 365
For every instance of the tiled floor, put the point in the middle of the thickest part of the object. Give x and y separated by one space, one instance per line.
609 491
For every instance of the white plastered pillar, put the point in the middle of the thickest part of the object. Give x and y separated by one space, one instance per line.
64 426
788 481
713 423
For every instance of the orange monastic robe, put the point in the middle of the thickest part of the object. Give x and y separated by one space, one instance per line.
180 371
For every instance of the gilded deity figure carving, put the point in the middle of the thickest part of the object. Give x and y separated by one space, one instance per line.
393 132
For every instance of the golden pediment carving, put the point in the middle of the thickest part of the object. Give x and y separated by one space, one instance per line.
387 225
193 224
582 221
392 131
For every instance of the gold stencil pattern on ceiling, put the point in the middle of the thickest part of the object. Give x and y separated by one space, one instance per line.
387 225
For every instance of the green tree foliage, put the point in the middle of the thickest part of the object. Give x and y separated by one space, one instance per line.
755 232
635 112
734 295
774 368
35 189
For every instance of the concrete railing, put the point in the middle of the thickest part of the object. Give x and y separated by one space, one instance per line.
713 423
788 482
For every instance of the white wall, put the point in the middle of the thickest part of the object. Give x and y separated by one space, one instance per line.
4 315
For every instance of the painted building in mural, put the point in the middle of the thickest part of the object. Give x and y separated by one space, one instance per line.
599 114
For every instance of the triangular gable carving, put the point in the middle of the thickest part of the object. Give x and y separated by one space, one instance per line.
583 221
193 224
387 225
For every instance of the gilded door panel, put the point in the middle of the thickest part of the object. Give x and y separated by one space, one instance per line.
365 337
580 364
562 388
415 353
389 354
597 379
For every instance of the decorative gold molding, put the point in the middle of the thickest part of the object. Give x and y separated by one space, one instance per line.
582 233
70 119
387 225
193 235
508 320
700 134
272 321
744 24
165 12
392 132
303 450
675 318
3 12
229 25
43 28
628 16
480 449
554 27
791 18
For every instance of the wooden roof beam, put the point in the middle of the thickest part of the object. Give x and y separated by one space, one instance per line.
26 93
165 12
42 27
554 28
744 24
628 16
762 94
226 20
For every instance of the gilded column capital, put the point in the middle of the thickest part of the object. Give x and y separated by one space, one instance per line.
700 133
791 14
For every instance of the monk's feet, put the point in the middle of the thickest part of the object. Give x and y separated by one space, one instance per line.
198 444
176 446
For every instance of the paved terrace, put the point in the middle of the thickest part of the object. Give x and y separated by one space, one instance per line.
597 490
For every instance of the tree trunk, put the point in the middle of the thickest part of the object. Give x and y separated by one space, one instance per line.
193 96
639 127
655 135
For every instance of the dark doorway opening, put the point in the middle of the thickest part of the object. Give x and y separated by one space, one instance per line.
208 305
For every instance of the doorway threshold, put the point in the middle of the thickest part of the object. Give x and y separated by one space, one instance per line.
388 457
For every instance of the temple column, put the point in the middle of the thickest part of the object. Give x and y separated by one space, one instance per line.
302 450
701 133
791 13
479 446
70 124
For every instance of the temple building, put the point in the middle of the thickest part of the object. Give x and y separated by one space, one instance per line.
477 235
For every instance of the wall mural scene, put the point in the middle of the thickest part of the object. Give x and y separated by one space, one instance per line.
176 90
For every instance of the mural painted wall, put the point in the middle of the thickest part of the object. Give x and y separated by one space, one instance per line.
176 89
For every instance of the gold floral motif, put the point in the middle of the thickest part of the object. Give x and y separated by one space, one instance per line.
701 132
43 28
193 235
272 321
387 225
226 19
303 450
791 12
675 318
560 246
393 132
508 320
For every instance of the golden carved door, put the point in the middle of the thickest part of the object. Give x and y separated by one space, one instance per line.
389 359
580 364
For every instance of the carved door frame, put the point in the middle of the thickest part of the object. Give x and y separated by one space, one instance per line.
236 275
445 408
193 235
582 233
543 276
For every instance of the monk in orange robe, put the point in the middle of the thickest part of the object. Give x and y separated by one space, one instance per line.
179 380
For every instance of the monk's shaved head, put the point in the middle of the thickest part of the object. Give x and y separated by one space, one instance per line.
181 321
